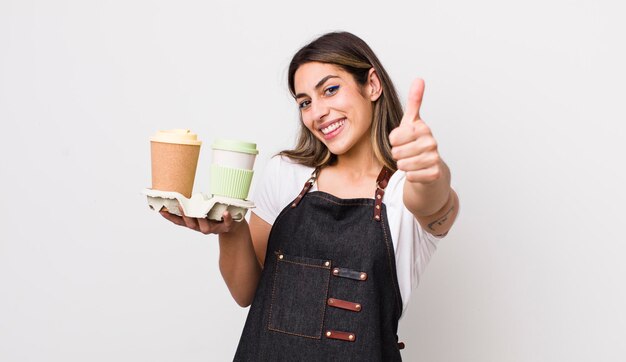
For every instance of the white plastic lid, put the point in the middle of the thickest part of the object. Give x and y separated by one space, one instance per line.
179 136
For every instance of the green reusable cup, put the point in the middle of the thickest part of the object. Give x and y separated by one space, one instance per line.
232 168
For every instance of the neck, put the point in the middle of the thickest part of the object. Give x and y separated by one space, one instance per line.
360 160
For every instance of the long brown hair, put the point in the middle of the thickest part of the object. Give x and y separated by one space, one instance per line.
353 55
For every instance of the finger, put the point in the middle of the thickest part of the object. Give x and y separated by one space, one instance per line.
410 149
408 132
173 218
414 103
204 225
419 162
228 219
402 134
426 176
191 222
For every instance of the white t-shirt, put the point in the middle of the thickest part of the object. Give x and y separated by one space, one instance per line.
283 180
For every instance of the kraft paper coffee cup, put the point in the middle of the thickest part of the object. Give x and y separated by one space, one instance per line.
232 168
174 156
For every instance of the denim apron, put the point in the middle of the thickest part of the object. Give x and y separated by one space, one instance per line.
329 288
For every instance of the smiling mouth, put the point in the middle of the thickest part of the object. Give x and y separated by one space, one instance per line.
333 126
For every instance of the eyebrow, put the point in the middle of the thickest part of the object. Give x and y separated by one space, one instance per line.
318 85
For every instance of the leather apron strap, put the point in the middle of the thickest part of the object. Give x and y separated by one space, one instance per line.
381 182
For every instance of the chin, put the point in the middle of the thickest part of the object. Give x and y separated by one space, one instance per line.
338 149
337 145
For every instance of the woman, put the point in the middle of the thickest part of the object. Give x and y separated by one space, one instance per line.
329 266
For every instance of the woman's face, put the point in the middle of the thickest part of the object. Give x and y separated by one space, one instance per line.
334 107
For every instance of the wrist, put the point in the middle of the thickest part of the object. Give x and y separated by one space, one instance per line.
235 234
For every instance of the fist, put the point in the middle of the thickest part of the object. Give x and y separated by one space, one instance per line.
412 143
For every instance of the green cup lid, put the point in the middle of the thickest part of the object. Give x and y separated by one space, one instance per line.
236 146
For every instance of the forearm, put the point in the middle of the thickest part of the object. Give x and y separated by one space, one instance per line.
424 199
238 263
435 204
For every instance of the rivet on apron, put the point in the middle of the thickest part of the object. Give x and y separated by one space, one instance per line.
281 256
381 183
342 336
327 263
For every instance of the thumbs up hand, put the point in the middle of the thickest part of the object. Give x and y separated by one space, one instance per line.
412 144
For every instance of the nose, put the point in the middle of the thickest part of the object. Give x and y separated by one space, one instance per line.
319 110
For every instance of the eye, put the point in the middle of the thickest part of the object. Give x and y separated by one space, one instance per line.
331 90
304 104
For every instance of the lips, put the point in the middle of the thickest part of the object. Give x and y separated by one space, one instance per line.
329 128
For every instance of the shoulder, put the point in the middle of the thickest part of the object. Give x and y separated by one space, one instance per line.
286 169
280 182
395 188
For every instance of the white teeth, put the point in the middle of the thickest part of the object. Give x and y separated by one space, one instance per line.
332 127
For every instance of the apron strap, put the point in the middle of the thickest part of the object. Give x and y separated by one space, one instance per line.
381 183
307 186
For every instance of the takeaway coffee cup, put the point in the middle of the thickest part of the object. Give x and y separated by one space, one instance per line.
174 155
232 168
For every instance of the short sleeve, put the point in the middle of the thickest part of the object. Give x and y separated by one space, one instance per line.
426 245
266 204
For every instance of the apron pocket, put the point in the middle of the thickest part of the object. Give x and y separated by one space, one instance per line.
299 295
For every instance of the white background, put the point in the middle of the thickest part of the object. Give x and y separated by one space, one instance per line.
525 98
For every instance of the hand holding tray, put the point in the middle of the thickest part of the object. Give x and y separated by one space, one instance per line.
199 205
